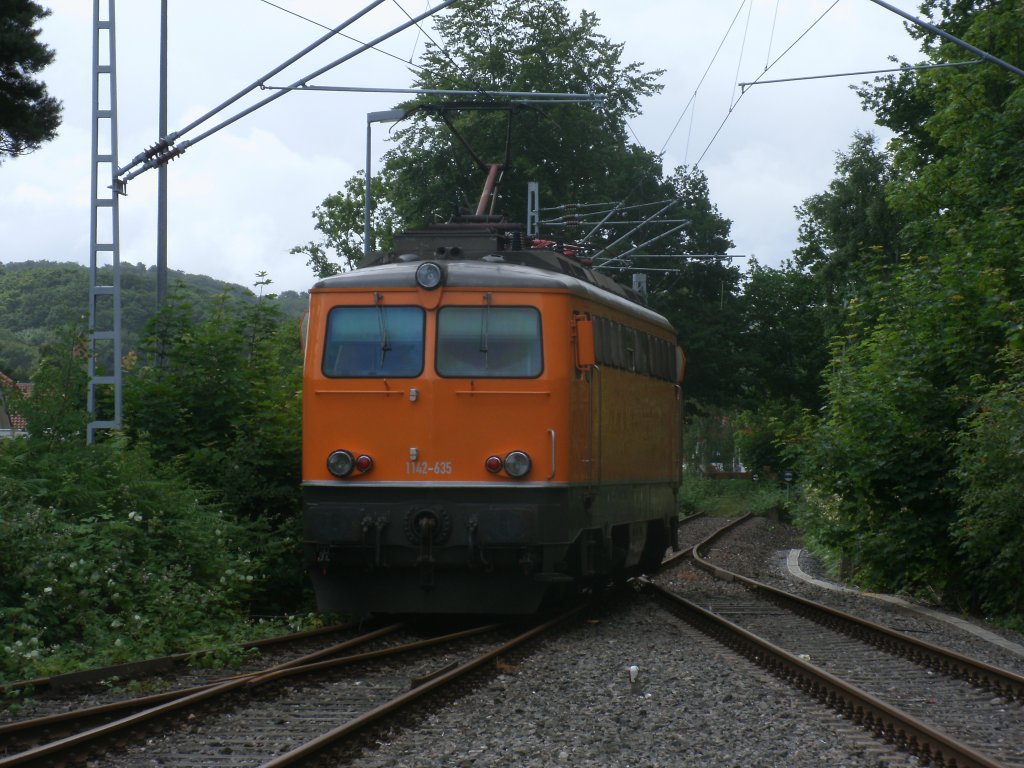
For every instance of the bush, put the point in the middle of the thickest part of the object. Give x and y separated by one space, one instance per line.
220 399
989 529
109 554
104 556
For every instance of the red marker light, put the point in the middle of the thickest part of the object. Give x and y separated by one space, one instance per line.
364 464
493 464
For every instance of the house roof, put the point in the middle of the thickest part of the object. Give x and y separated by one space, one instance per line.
11 420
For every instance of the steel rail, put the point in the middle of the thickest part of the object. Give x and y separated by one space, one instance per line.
156 664
886 721
1000 681
332 737
144 702
677 557
171 701
302 666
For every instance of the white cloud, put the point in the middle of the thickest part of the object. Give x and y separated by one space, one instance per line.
240 199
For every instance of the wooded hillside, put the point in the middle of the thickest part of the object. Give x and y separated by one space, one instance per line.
39 298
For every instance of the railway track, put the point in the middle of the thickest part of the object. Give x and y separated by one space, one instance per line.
275 717
940 705
518 713
147 668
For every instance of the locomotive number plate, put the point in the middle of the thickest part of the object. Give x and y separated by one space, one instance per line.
427 468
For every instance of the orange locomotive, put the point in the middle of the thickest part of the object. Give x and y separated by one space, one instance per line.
484 427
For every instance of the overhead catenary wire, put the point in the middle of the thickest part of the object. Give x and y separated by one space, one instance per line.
955 40
539 96
732 107
733 104
703 77
743 45
635 248
651 218
356 40
419 30
981 54
771 35
571 221
166 151
914 68
688 107
165 141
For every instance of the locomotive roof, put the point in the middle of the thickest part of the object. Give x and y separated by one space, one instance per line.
498 271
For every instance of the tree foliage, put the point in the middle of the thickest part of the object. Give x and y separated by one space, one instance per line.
105 554
849 234
577 153
987 532
783 337
702 300
172 534
341 219
925 350
28 115
39 298
221 400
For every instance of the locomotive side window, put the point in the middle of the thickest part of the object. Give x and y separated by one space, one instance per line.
374 342
481 342
619 346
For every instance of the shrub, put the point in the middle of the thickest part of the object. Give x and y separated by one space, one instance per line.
989 529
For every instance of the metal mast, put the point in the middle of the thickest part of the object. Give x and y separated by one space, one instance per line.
104 400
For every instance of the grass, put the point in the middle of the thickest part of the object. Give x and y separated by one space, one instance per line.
731 498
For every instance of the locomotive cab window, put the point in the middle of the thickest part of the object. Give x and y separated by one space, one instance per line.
374 342
496 342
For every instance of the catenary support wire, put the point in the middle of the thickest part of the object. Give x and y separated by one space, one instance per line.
171 152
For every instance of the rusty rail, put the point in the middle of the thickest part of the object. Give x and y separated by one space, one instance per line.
1001 682
331 738
884 720
159 705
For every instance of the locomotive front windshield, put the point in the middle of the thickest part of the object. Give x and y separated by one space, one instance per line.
489 341
374 342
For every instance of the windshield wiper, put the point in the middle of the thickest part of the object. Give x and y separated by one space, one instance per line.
484 328
382 321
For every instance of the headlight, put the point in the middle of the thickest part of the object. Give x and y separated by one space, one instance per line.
517 464
340 463
429 275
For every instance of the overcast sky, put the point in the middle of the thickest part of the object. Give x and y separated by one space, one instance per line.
242 198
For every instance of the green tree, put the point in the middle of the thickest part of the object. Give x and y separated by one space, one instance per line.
105 554
707 230
220 399
702 300
28 115
849 234
784 344
577 153
55 412
922 351
700 297
39 298
340 219
989 530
